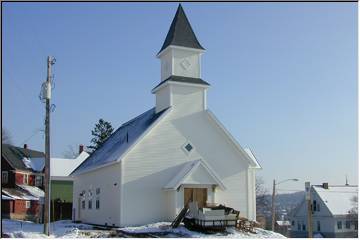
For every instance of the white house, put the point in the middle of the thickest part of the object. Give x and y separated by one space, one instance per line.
61 168
331 206
174 152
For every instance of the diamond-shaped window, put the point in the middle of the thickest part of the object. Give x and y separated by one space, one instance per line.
185 64
188 147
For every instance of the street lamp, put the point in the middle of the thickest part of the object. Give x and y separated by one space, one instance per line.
273 200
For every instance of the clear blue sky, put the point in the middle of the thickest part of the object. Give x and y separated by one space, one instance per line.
283 76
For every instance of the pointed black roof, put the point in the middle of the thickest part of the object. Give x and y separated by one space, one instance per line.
181 33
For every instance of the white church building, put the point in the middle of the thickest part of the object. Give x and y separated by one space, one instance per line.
175 152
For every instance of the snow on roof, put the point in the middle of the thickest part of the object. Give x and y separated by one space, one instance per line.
62 167
36 164
338 199
283 223
189 169
18 194
4 197
35 191
252 157
120 141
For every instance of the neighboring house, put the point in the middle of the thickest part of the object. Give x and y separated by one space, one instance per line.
22 182
283 227
62 183
331 206
152 165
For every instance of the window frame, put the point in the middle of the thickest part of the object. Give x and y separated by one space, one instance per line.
37 180
90 204
25 178
339 225
184 147
4 173
83 204
27 204
347 224
97 203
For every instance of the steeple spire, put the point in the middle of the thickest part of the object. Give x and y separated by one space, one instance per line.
181 32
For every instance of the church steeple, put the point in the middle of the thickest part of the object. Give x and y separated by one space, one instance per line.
180 55
181 33
181 86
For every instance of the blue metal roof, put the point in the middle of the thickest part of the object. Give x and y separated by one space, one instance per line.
120 141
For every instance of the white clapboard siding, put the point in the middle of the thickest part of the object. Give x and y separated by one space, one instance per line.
108 179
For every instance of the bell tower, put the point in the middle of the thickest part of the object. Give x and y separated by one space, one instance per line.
180 57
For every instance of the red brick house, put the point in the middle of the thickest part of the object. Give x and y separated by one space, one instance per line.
22 172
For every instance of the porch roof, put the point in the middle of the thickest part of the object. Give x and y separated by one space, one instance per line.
195 172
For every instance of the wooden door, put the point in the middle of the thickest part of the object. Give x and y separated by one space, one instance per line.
198 195
188 195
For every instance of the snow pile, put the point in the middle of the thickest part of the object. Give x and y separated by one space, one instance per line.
63 229
164 229
68 229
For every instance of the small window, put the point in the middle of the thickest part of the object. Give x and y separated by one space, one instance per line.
303 227
4 176
38 181
97 203
90 204
347 224
314 205
339 224
292 223
97 191
188 147
318 226
27 204
83 204
318 207
25 179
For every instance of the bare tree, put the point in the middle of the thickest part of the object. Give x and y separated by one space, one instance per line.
5 136
70 152
353 213
262 201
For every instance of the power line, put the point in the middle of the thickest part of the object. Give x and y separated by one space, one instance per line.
32 135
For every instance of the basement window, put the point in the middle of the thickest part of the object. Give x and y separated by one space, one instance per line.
27 204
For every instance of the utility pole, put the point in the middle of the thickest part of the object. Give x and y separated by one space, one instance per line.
273 200
273 208
309 210
46 94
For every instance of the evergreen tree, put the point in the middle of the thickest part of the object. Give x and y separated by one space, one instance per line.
101 132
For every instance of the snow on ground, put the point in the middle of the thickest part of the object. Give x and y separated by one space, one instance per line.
68 229
181 231
63 229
